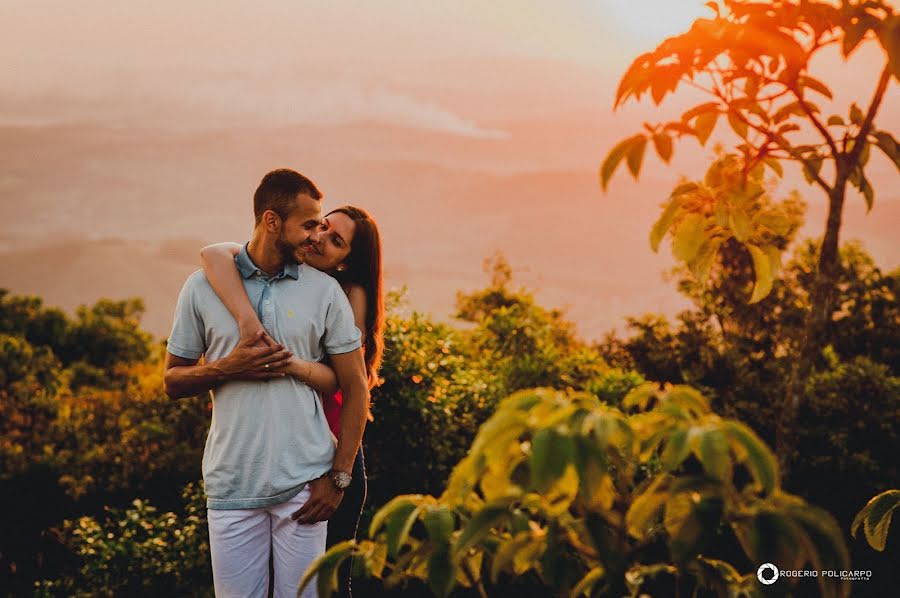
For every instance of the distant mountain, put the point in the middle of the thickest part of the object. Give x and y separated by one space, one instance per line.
444 203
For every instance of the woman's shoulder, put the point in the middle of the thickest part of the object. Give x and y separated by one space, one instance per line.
354 291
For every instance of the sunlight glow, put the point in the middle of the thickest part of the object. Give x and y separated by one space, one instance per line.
648 22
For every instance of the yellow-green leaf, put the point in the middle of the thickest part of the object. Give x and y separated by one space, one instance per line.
775 165
689 237
645 507
876 518
713 453
740 224
587 583
750 450
662 226
764 276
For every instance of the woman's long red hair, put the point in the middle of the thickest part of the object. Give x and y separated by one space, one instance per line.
364 268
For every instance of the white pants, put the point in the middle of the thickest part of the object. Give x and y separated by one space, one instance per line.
240 541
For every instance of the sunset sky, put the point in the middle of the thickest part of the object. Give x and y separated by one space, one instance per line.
466 127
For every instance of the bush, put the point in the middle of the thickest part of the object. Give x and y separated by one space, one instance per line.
139 552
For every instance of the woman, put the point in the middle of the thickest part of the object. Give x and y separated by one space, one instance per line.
348 247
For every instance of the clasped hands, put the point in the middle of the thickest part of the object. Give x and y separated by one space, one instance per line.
257 356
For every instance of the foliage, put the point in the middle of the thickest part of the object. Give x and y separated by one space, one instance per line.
851 430
875 518
729 205
584 496
91 346
139 552
430 403
753 60
441 383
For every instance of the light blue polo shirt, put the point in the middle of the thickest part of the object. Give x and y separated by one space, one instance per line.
267 439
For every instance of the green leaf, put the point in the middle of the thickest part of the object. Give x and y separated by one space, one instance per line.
646 507
856 115
615 157
704 126
662 226
587 583
640 396
480 526
676 450
812 166
398 526
388 510
887 144
441 573
749 449
868 192
689 237
636 156
876 518
712 451
663 145
551 452
507 551
326 568
702 263
763 270
740 224
815 85
439 523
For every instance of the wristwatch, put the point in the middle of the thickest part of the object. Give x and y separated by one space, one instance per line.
341 479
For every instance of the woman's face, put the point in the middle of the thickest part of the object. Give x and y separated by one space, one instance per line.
331 245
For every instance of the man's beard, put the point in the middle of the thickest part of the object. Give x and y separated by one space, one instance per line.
287 251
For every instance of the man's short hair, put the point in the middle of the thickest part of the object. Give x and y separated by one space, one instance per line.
278 191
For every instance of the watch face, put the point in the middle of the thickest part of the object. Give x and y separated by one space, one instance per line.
341 479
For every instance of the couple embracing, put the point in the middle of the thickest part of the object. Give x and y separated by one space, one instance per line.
290 328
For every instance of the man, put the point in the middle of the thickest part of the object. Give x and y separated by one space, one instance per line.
272 473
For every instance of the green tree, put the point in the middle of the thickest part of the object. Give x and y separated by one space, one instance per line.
660 497
753 61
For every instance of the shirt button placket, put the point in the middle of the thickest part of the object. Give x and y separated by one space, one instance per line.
268 311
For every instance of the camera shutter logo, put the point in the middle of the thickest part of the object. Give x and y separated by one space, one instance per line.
767 567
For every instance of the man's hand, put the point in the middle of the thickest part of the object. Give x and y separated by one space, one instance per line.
324 498
254 358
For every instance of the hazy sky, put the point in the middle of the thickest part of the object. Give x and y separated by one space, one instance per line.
129 113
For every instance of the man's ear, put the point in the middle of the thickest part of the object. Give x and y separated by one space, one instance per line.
272 221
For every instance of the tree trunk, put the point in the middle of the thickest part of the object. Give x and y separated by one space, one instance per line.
815 327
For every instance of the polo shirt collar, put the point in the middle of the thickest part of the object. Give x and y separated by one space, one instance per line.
247 268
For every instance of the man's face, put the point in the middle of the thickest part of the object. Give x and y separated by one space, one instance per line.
298 230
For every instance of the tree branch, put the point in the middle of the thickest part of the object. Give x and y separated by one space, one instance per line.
785 145
815 121
860 141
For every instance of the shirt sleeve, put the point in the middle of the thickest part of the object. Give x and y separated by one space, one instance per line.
187 339
341 333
